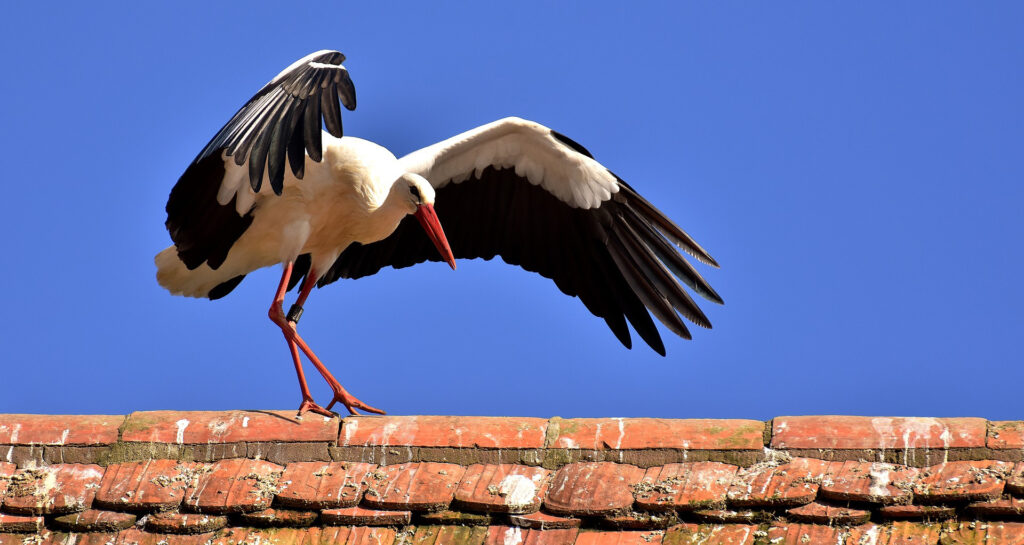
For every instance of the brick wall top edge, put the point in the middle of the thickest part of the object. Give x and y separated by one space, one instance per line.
42 429
870 432
205 427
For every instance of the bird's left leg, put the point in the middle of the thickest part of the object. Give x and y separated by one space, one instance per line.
340 394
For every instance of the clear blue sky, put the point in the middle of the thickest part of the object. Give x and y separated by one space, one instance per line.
856 168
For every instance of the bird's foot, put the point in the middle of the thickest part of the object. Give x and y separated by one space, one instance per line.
311 406
351 402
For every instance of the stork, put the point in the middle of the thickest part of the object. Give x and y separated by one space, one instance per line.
512 188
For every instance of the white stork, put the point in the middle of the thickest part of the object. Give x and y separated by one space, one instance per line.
512 188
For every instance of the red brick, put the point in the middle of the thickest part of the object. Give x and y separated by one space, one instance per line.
20 523
1007 507
820 513
732 516
57 489
504 488
134 536
39 429
863 432
1006 434
94 520
357 516
962 481
592 488
917 512
151 485
425 486
514 535
620 538
203 427
787 485
686 486
868 482
1015 480
184 523
544 521
6 470
711 534
234 486
276 518
449 535
322 485
990 533
651 433
443 431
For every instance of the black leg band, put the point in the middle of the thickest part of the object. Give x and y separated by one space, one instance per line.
294 313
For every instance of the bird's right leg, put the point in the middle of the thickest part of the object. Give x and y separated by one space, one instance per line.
277 315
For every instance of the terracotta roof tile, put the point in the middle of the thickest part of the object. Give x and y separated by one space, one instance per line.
868 482
444 431
278 518
807 534
686 486
191 427
462 518
917 512
514 535
35 429
544 521
862 432
20 523
364 517
620 538
1006 434
962 481
902 533
820 513
134 536
58 489
733 515
94 520
184 523
427 486
639 520
1008 507
502 488
650 433
790 484
1015 480
234 486
711 534
323 485
592 488
994 533
449 535
148 485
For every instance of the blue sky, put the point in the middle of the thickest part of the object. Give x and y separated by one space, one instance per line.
856 169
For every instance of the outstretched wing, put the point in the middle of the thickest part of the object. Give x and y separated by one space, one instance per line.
517 189
208 209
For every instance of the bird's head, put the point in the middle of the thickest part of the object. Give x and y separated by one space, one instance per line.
417 194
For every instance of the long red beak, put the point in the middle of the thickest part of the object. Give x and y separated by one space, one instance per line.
428 219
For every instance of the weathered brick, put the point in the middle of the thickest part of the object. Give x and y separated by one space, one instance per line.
686 486
20 523
1015 480
917 512
461 518
805 534
320 485
592 488
443 431
425 486
868 482
184 523
1007 507
514 535
134 536
353 535
234 486
544 521
654 433
278 518
39 429
787 485
192 427
734 516
620 538
863 432
961 482
358 516
819 513
711 534
1006 434
502 488
6 470
450 535
639 520
58 489
990 533
151 485
94 520
896 533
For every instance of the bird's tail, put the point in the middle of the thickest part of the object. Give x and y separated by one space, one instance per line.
202 281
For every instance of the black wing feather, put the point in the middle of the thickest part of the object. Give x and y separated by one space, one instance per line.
598 254
279 125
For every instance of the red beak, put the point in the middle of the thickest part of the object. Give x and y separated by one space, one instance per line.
428 219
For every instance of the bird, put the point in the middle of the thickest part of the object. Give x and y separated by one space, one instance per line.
272 187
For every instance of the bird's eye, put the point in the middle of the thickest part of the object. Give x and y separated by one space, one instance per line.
415 192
